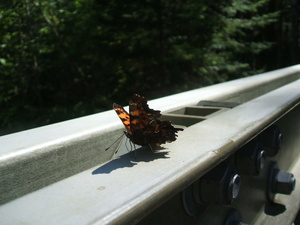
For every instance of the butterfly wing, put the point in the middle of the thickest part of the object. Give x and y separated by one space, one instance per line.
145 123
167 131
140 114
143 126
123 115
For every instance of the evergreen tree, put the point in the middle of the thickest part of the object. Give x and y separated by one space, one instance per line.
237 48
65 59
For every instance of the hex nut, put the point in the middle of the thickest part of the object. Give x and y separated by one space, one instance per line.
284 182
279 181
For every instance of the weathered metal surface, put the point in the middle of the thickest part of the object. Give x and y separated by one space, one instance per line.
61 164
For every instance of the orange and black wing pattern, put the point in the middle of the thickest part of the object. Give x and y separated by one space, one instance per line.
141 116
143 125
123 115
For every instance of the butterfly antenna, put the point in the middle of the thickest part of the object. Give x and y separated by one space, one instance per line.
114 142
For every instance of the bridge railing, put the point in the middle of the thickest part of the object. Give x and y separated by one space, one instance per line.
240 140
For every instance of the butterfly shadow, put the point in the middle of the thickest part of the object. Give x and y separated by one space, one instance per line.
132 158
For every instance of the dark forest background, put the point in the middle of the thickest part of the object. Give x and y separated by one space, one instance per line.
62 59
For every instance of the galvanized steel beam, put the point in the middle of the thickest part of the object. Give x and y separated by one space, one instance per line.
61 173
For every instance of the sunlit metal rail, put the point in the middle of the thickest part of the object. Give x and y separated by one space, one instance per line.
236 160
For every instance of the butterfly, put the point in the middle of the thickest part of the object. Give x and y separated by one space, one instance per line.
143 126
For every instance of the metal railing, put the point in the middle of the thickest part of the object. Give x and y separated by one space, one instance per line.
61 173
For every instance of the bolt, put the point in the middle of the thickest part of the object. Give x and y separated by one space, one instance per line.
271 140
284 182
234 187
279 139
250 159
234 217
189 200
260 161
220 185
279 181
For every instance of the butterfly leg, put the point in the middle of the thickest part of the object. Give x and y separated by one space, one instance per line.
151 148
133 148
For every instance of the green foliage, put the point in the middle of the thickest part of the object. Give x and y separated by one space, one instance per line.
237 49
65 59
